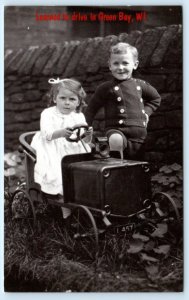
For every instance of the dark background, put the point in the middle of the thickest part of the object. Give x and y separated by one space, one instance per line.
22 29
38 50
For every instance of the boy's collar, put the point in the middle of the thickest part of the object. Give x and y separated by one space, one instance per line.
117 81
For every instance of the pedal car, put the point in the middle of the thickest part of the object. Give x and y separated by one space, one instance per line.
105 194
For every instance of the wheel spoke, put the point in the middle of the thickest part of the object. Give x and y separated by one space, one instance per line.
85 231
165 205
22 206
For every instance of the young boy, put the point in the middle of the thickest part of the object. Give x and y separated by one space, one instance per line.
128 103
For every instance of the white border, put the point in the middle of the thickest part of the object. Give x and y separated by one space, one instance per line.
108 296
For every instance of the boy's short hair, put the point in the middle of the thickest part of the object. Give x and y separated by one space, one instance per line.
123 48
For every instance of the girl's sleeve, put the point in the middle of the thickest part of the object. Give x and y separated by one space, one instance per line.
82 119
46 125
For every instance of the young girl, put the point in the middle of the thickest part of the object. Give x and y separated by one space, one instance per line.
51 142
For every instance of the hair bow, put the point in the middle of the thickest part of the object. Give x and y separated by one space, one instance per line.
55 81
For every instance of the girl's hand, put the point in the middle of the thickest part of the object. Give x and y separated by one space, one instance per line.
89 132
88 135
67 132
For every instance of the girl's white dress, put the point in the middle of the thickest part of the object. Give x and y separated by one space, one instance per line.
47 171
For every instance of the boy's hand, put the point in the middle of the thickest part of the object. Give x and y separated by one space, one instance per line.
147 119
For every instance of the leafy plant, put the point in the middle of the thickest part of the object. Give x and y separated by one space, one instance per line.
46 259
169 179
151 247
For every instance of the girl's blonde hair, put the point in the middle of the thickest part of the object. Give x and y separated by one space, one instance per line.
123 48
71 85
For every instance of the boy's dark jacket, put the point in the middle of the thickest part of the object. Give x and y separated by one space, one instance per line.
125 103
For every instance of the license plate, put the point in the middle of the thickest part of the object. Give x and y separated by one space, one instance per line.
125 228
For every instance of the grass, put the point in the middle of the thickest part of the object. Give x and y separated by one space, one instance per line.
48 259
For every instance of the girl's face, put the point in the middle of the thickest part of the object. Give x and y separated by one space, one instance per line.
66 101
122 65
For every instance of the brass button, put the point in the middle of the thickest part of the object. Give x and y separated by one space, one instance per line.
122 110
116 88
138 87
118 98
120 121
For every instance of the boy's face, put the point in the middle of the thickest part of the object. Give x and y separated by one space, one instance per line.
122 65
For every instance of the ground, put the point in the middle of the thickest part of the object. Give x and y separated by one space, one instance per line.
47 258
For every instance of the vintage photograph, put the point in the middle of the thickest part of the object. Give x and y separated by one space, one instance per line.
93 149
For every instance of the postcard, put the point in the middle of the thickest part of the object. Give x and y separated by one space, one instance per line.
93 162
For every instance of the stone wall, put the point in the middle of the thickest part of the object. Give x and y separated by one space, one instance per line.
160 51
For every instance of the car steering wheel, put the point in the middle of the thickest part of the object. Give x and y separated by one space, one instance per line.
78 137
